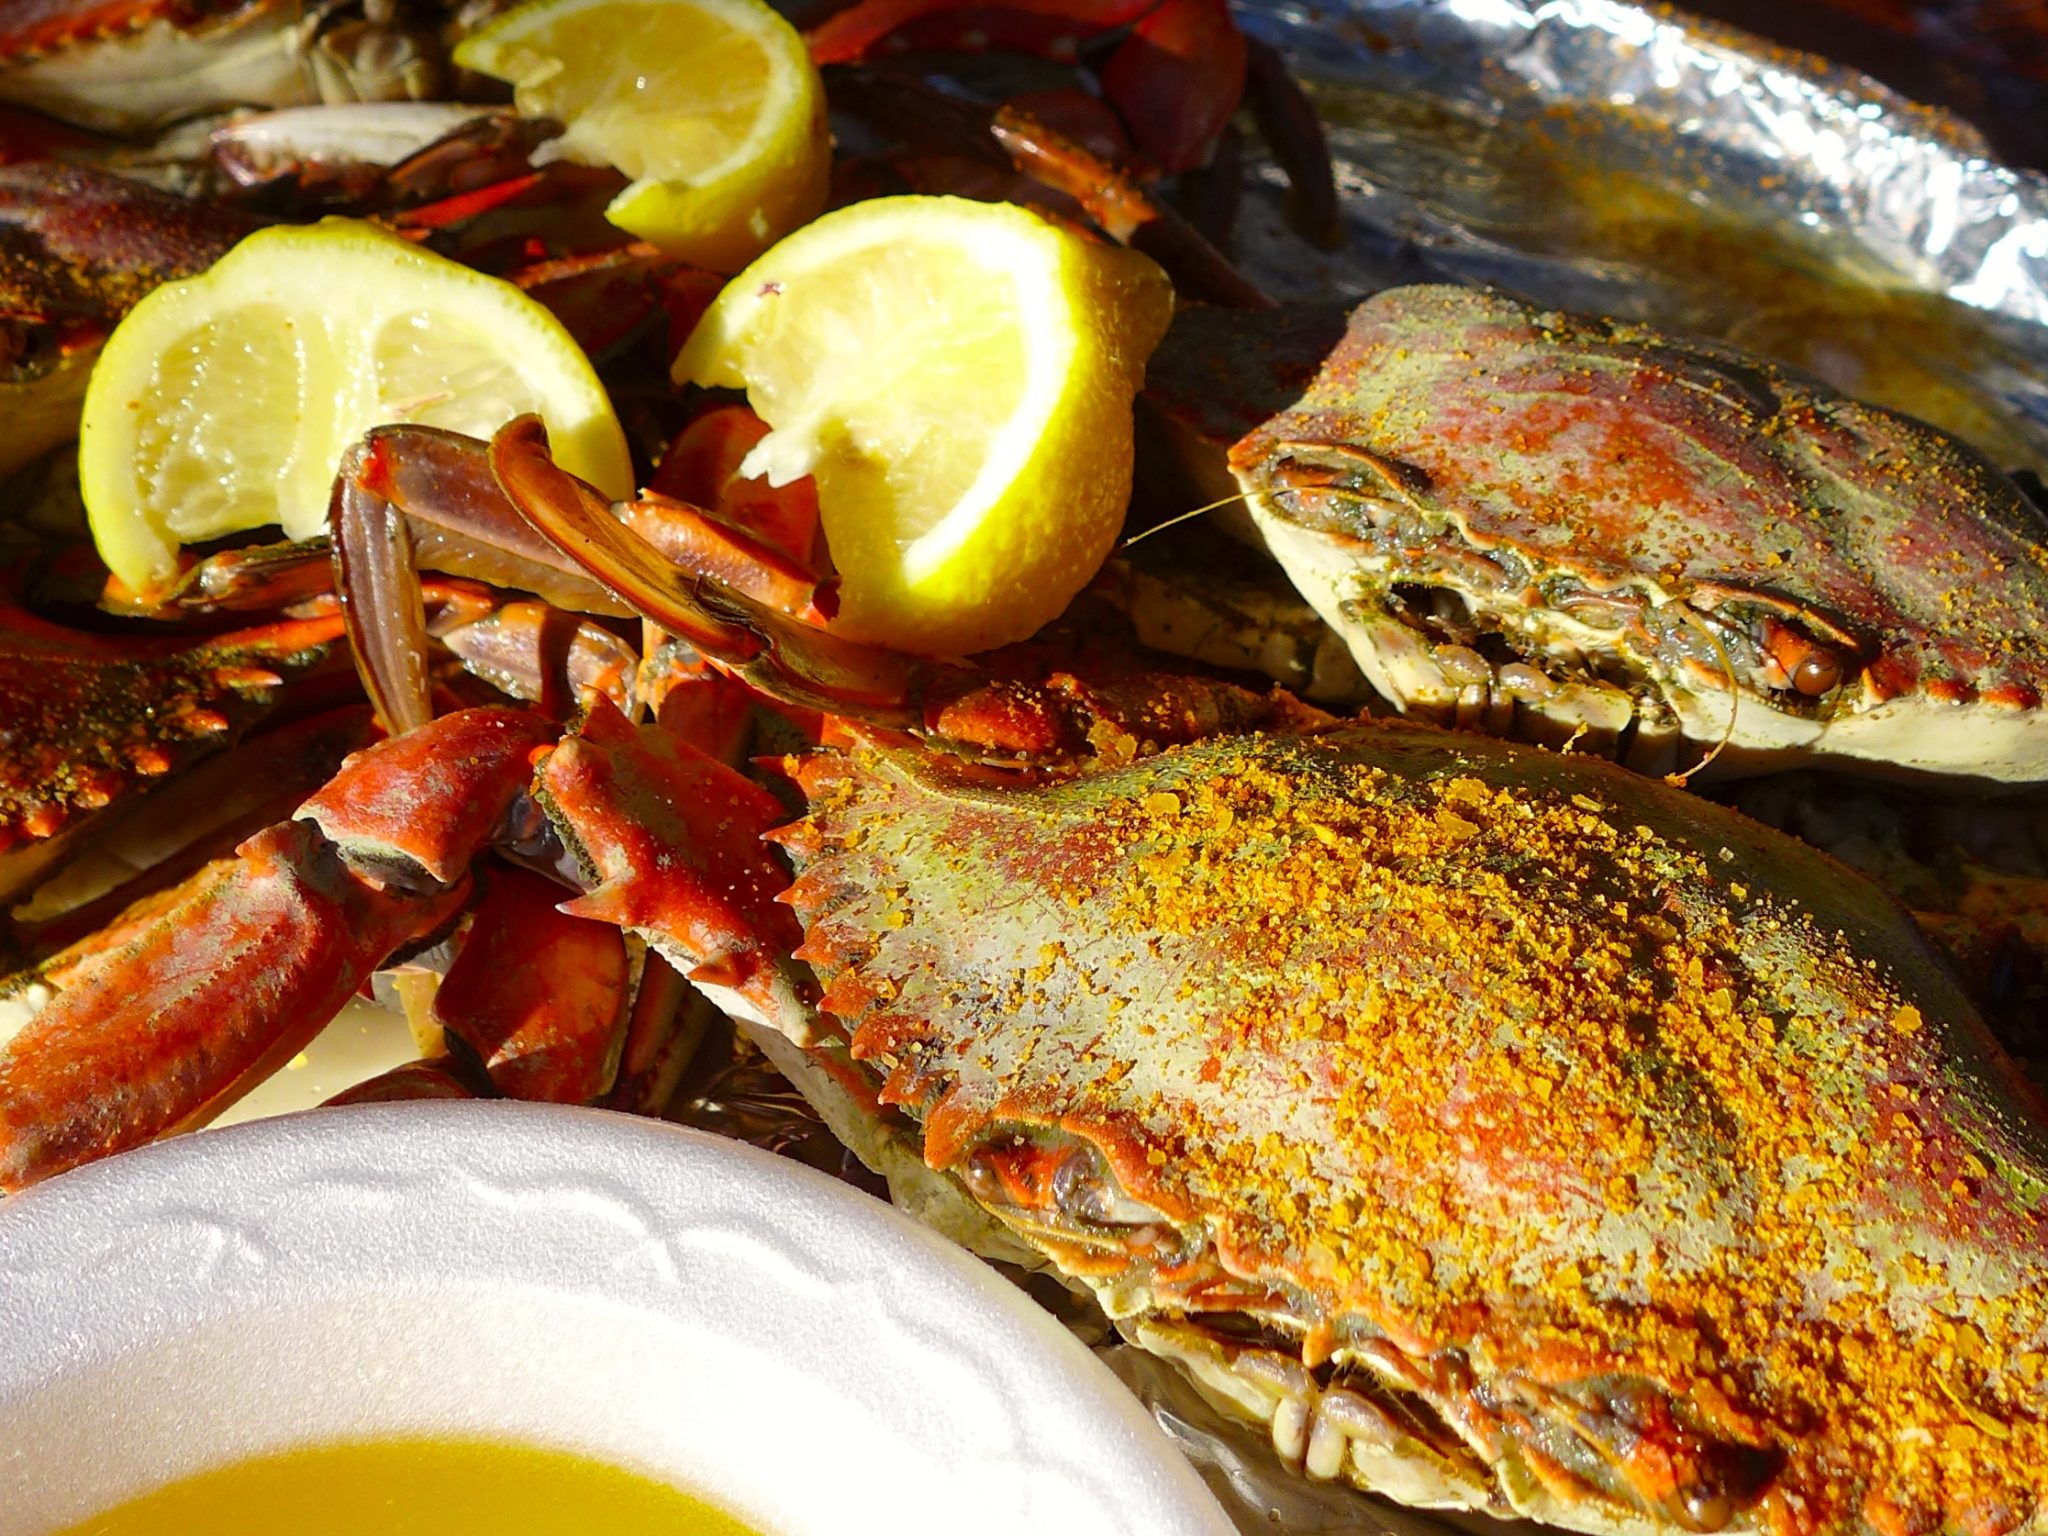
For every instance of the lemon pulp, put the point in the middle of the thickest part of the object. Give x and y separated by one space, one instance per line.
958 377
224 402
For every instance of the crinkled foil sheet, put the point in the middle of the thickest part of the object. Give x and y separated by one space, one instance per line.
1601 157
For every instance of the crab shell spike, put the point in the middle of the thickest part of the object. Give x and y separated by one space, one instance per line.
1646 1164
1595 500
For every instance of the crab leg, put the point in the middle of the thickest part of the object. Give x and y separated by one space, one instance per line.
1127 213
1293 131
1018 140
763 647
419 496
165 1019
192 997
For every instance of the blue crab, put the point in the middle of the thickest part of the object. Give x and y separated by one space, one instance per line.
1566 527
1500 1128
132 66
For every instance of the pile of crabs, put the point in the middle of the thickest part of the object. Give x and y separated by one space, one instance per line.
1415 1053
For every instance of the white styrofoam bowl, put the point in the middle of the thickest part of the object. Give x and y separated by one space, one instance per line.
663 1299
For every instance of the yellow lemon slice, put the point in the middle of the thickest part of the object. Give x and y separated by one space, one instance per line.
958 376
224 402
713 106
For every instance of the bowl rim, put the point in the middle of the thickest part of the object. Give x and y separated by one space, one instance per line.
106 1262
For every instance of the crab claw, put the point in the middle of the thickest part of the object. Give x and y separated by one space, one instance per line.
668 844
195 995
787 659
162 1024
1177 79
538 995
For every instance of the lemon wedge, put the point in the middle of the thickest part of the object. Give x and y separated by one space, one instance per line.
713 106
958 376
224 402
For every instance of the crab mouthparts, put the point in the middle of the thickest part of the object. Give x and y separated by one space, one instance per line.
1366 1412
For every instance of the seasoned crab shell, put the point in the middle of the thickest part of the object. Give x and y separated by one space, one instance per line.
1504 1129
1545 522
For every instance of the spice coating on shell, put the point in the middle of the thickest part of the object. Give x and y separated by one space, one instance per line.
1488 1050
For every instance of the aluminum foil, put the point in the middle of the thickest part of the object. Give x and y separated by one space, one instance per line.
1602 157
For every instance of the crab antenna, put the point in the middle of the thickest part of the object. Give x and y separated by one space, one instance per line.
1182 517
1735 699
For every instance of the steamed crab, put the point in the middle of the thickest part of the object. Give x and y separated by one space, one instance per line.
1578 529
1501 1129
1495 1129
134 67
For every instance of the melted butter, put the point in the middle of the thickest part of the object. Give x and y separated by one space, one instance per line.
423 1487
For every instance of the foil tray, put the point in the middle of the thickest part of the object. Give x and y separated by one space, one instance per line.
1605 157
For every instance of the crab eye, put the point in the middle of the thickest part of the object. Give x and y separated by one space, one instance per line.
1819 673
1806 666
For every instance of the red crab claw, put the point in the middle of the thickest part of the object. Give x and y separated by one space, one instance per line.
1177 79
533 651
539 997
538 652
666 842
163 1020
